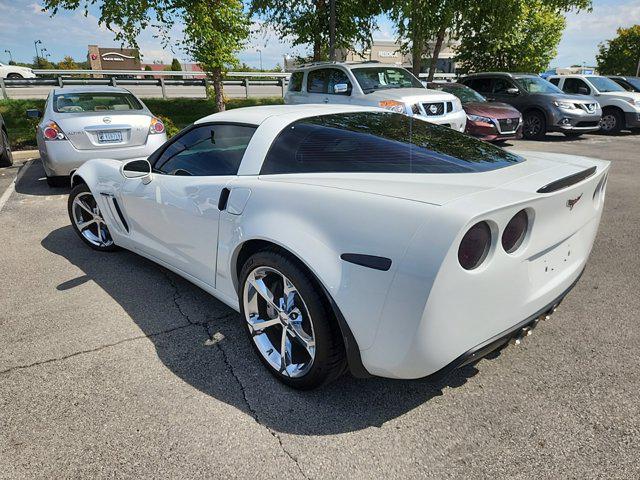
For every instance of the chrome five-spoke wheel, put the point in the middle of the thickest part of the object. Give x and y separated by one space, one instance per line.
87 219
289 320
279 322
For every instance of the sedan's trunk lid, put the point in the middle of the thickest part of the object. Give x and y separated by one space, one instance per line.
101 130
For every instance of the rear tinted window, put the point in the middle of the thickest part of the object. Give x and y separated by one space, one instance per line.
94 102
295 82
379 142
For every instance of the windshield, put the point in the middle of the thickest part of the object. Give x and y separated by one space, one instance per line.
537 85
379 142
384 78
95 102
604 84
465 94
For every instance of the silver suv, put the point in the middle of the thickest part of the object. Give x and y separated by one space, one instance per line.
374 84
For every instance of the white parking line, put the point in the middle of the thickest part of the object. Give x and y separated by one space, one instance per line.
12 186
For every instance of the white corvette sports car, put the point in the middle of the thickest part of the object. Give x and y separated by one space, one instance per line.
353 237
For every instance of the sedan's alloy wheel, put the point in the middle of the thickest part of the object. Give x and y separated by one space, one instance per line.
532 126
89 222
279 322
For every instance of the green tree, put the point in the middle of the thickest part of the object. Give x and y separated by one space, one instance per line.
223 23
512 35
308 22
620 56
68 63
175 65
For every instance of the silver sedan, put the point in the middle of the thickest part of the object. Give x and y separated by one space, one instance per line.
82 123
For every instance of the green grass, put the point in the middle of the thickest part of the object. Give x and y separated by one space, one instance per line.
176 112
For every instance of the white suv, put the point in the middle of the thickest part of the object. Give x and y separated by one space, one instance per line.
620 109
374 84
15 72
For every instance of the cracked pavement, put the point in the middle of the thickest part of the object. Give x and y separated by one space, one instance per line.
111 366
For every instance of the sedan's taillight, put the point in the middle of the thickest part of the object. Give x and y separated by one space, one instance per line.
474 246
52 131
156 126
515 231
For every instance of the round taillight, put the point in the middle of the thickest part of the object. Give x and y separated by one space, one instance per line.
158 127
50 133
515 231
474 246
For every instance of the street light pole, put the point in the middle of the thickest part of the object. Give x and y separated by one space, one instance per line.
35 45
10 56
260 53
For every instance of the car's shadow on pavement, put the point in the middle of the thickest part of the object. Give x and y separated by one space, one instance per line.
227 368
34 182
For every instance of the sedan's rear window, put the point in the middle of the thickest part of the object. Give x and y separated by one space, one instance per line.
94 102
379 142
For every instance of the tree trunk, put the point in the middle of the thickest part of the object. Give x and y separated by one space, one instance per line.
417 46
218 89
436 53
317 36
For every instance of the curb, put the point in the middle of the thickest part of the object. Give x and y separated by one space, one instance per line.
25 154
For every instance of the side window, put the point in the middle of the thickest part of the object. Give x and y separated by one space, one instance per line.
295 81
317 81
555 81
576 85
501 85
207 150
480 85
338 77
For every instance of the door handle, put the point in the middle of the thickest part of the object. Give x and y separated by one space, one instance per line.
224 198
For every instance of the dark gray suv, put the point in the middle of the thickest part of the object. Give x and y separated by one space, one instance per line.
544 107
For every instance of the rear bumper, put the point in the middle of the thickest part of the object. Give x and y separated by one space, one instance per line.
60 158
517 331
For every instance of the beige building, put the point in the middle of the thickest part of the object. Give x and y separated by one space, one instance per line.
388 52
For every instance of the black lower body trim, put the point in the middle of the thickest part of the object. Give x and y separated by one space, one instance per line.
494 343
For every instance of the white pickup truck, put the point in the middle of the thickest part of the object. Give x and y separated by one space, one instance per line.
620 108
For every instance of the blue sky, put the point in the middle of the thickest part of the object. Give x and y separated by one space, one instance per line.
69 33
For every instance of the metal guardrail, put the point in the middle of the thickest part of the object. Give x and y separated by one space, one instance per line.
114 78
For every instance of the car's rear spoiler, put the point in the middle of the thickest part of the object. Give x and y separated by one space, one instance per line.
567 181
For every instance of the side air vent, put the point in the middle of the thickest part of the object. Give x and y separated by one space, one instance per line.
567 181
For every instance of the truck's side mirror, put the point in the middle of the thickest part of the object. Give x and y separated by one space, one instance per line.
583 90
341 88
513 91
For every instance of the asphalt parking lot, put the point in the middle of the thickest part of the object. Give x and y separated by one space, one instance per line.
111 366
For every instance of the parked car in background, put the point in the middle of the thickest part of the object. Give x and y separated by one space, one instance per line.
620 108
630 84
6 157
376 85
15 72
81 123
490 121
544 107
466 246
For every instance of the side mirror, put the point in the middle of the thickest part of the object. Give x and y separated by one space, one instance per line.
513 91
136 168
34 113
340 88
583 91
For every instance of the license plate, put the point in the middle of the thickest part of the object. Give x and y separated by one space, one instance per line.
109 137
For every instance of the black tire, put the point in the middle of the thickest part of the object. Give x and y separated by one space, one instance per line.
76 191
572 134
14 76
59 182
6 157
612 121
534 125
330 360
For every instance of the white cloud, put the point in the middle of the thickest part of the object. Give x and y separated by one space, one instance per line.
585 30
